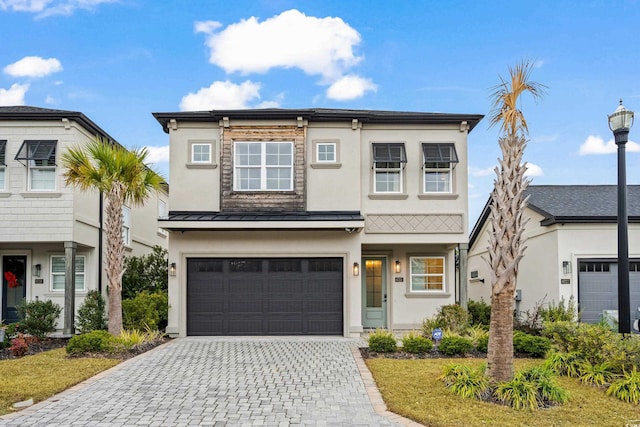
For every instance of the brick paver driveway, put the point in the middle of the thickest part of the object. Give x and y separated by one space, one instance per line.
220 381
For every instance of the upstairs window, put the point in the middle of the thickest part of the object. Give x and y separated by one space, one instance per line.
200 153
126 225
3 165
263 166
40 158
58 273
439 161
388 161
326 152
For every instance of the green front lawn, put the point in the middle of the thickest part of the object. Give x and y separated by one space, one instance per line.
411 388
42 375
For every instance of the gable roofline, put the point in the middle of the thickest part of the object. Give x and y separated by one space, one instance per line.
320 115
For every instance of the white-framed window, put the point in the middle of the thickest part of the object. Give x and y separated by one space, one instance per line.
388 161
58 273
263 166
40 158
439 161
326 152
126 225
427 273
201 152
3 164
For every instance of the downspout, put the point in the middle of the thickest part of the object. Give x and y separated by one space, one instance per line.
101 220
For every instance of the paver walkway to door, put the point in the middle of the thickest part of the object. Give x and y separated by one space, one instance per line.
220 381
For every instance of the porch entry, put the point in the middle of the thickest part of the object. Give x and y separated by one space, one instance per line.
14 289
374 293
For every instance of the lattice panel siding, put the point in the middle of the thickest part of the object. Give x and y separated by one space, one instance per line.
425 224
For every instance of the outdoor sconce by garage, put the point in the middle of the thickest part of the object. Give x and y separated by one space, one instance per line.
172 269
398 266
356 269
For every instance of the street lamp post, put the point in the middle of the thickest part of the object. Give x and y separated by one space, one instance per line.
620 122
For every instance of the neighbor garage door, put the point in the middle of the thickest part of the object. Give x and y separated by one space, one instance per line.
598 288
257 296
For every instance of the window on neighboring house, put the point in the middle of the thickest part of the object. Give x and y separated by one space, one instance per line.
126 225
162 213
3 164
40 158
427 274
439 161
57 273
326 152
263 166
200 153
388 161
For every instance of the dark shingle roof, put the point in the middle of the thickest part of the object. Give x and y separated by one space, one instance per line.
564 204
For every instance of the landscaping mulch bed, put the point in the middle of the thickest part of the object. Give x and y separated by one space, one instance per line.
36 347
433 354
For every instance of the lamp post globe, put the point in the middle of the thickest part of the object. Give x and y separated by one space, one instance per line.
620 122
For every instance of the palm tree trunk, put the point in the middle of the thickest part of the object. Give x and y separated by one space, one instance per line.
115 256
500 348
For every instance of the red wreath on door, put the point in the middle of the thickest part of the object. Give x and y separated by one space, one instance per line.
11 279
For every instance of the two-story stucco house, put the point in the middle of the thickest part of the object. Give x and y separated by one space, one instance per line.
313 221
46 225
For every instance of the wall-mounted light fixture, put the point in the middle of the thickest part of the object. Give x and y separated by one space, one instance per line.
566 267
37 270
356 269
172 269
398 266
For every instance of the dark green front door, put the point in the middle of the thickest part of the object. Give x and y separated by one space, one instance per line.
14 289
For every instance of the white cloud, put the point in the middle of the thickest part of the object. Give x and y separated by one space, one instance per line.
14 95
596 145
44 8
33 66
533 170
221 95
474 171
50 100
350 87
206 27
24 5
157 154
317 46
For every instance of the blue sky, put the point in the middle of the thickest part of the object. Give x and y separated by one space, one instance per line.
117 61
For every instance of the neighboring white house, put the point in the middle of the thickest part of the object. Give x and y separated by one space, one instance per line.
44 224
313 221
571 249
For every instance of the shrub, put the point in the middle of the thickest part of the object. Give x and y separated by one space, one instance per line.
449 317
91 314
92 342
19 346
549 392
382 341
414 343
563 363
476 333
129 339
466 382
482 344
518 393
596 375
479 312
145 273
145 311
560 312
628 388
455 345
38 318
531 345
529 321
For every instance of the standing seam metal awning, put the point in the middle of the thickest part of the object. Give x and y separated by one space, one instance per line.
439 153
392 152
37 150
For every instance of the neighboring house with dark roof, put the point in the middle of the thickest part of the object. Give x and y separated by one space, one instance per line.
572 247
46 225
313 221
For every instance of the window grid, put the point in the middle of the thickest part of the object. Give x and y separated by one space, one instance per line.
58 273
201 153
427 274
326 152
263 166
41 164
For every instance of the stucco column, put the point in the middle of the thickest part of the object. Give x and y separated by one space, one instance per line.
463 249
69 287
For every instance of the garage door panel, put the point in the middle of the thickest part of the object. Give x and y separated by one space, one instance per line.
279 306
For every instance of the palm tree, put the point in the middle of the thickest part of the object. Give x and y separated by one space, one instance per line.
506 244
122 176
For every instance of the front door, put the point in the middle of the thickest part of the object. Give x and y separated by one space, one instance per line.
14 289
374 293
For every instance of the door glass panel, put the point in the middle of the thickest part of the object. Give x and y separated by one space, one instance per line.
13 281
374 282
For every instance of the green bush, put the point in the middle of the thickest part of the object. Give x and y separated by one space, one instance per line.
531 389
91 342
596 375
479 312
91 314
560 312
466 382
145 273
455 346
628 388
563 363
414 343
145 311
11 330
531 345
382 341
38 318
451 317
482 344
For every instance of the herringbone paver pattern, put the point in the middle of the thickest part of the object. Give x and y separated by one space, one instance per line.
216 381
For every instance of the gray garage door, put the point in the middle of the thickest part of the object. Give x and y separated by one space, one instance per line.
598 288
256 296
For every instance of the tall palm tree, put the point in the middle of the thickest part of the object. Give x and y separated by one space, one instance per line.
122 176
506 244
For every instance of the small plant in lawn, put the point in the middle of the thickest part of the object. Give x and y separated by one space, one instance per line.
596 375
92 313
564 363
382 341
479 312
92 342
38 318
531 345
466 382
455 346
518 393
627 389
415 343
